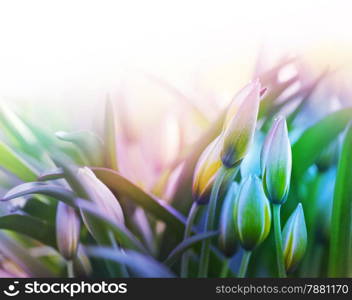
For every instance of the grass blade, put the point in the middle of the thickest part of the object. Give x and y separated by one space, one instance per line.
17 253
125 238
307 148
186 244
125 188
341 229
30 188
139 264
30 226
15 164
110 136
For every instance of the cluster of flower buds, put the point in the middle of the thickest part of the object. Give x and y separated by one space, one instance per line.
231 146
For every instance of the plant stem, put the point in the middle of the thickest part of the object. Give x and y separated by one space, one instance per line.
278 241
188 230
121 269
209 223
70 272
244 264
225 268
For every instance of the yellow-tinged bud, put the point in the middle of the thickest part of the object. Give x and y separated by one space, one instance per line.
205 172
239 127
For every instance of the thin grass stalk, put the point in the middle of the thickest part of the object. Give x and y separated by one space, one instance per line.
188 230
225 268
278 241
70 271
209 222
244 264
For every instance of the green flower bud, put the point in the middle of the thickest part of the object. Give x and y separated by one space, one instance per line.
294 239
276 162
240 126
205 172
228 241
67 230
252 214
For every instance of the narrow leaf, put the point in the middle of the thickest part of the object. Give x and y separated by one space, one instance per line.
186 244
341 228
125 188
30 226
316 138
139 264
110 136
30 188
17 253
15 164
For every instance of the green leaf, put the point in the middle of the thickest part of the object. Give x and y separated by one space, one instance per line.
340 260
40 207
20 255
123 235
90 145
110 136
186 244
125 238
17 131
30 188
14 163
183 196
140 265
30 226
125 188
54 174
316 138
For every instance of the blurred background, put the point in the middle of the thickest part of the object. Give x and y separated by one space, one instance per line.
69 55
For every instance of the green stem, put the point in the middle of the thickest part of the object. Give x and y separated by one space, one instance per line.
209 223
188 230
278 241
225 268
121 270
244 264
70 272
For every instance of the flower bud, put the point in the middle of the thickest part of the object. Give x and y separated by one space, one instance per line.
100 194
239 128
276 162
228 241
252 214
294 239
67 230
205 172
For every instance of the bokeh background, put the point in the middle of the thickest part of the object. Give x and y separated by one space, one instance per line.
71 54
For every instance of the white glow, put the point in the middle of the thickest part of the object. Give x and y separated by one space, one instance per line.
77 50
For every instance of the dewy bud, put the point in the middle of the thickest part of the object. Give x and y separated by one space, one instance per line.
252 214
294 239
67 230
228 241
239 128
205 172
99 193
276 162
